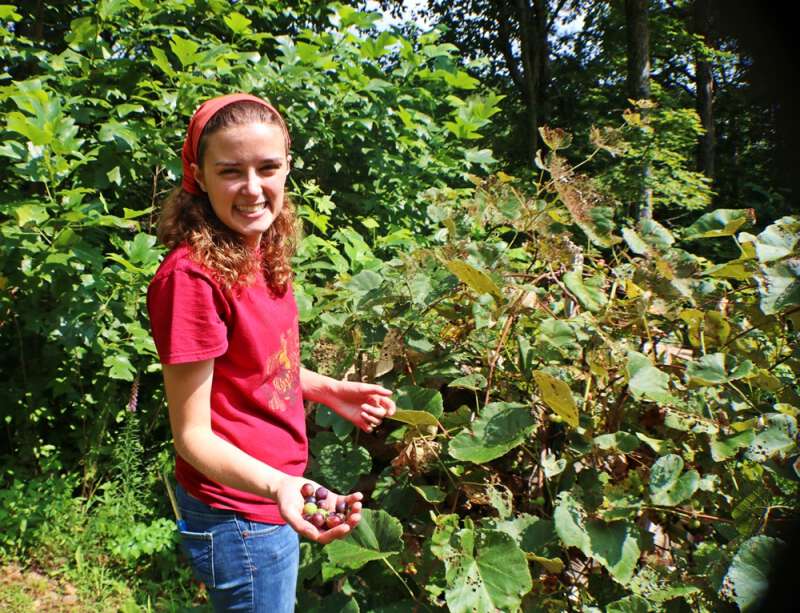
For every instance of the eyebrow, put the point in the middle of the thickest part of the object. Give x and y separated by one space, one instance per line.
272 161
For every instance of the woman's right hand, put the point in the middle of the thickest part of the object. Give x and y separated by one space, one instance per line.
290 504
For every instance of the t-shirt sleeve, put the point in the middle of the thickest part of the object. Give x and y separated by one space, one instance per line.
186 311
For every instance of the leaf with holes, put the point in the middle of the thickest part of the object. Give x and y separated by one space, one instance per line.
377 536
485 571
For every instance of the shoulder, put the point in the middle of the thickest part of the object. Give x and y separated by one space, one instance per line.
179 262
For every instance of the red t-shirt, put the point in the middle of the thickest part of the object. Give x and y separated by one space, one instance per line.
256 399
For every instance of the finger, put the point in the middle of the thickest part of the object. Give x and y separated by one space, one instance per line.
303 528
374 409
353 519
332 534
370 420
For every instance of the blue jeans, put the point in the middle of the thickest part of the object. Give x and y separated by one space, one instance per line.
246 565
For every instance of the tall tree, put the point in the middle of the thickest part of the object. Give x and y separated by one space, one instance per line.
704 86
638 80
516 37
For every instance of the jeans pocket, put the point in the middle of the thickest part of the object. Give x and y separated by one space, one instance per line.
199 549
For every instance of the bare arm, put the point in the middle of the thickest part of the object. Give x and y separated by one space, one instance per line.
188 388
364 404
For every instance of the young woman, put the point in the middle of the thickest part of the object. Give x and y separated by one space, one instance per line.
225 325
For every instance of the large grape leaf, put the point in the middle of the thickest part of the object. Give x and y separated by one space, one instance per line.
668 486
342 464
746 580
377 536
717 369
778 436
722 222
779 285
413 398
500 427
485 571
645 381
474 278
778 240
557 395
612 544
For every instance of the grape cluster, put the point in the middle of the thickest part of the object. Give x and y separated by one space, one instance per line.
316 514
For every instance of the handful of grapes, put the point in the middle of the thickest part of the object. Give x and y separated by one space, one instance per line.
318 515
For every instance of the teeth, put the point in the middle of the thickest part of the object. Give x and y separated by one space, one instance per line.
252 208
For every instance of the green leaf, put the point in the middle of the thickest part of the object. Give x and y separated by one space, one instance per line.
531 533
414 418
119 367
30 213
621 441
717 369
725 449
778 240
364 282
668 486
185 50
612 544
415 398
656 235
635 242
337 602
592 298
113 131
430 493
479 156
500 427
485 571
722 222
160 59
476 279
341 465
779 286
36 131
476 381
645 381
557 395
237 22
377 537
747 578
629 604
779 436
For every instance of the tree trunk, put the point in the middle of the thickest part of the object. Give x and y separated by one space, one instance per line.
638 82
534 52
704 85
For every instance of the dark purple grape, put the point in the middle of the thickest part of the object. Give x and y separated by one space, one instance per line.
307 490
341 507
311 499
317 519
322 493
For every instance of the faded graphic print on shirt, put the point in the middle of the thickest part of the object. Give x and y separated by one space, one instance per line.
282 387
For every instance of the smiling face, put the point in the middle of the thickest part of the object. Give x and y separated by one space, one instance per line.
243 170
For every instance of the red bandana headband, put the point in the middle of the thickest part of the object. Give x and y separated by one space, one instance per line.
198 123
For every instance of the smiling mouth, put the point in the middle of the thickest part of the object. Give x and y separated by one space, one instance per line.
251 208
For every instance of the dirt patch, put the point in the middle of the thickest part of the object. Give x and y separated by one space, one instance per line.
23 590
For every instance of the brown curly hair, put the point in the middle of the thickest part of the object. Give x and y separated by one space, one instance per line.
187 218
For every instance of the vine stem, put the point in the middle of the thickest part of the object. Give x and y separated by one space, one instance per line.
403 581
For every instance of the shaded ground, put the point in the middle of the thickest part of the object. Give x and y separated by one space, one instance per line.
24 590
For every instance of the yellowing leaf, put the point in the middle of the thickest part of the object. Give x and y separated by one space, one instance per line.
474 278
557 395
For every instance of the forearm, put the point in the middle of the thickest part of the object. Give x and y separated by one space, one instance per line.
226 464
317 387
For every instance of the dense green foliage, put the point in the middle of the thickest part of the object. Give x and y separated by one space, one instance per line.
604 411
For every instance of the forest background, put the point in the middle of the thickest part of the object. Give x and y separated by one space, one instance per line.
561 230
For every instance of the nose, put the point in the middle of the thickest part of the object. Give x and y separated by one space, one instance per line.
252 184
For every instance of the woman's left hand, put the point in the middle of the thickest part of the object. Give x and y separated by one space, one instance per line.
363 404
